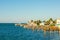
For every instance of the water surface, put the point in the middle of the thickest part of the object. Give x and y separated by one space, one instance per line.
8 31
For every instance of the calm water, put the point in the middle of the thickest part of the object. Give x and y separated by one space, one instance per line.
8 31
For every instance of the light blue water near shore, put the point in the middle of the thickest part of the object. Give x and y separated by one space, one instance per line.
8 31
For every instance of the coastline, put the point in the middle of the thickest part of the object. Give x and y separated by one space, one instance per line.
44 28
46 25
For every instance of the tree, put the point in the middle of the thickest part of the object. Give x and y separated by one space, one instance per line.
38 22
48 21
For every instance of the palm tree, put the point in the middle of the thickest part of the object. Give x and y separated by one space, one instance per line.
38 22
48 21
52 22
31 20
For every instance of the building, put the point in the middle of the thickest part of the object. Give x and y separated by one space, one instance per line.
58 22
42 23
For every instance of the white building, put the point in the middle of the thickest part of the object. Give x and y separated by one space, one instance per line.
58 22
42 23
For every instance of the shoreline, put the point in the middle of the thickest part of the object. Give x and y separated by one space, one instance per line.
44 28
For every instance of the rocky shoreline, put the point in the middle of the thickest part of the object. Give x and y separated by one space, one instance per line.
44 28
49 25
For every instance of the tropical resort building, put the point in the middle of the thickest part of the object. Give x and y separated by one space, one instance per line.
58 22
42 23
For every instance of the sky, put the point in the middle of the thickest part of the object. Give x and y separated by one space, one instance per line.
16 11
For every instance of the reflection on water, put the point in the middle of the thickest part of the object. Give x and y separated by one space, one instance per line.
11 32
52 35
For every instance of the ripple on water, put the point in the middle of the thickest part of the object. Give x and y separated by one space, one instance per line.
11 32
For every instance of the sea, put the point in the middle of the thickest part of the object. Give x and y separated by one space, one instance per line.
8 31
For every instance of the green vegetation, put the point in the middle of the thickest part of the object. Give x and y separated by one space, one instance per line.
46 25
50 22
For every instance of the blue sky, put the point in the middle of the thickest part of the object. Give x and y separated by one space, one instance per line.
24 10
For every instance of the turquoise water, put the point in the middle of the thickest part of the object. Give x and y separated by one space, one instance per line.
8 31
